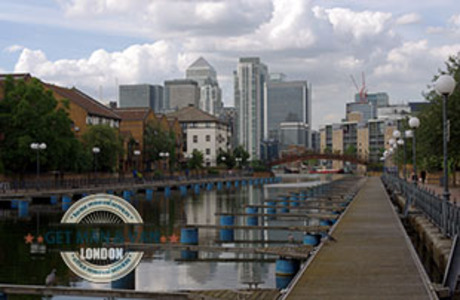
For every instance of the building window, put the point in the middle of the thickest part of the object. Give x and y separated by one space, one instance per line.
208 151
195 139
208 138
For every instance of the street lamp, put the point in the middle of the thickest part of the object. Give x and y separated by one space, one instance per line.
414 123
238 161
445 86
96 151
37 147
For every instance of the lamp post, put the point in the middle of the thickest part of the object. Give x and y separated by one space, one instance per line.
407 134
238 161
396 136
445 86
37 147
165 156
400 142
137 154
414 123
96 151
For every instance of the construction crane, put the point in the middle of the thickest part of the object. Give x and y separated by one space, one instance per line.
361 91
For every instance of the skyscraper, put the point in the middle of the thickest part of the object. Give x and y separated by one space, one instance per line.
287 102
142 95
249 81
210 93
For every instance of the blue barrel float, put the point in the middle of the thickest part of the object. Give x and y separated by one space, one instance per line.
219 185
127 195
252 220
66 202
53 200
226 235
209 186
125 283
149 194
196 188
14 203
189 236
167 191
229 184
285 204
312 239
183 190
23 209
271 210
286 269
324 223
294 200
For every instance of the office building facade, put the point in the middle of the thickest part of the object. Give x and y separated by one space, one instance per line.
210 93
180 93
287 102
249 81
142 95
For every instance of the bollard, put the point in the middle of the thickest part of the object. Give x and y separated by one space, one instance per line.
66 203
23 209
167 191
125 283
285 270
252 220
312 239
226 235
189 236
149 194
53 200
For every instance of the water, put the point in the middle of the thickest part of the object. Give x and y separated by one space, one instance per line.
165 271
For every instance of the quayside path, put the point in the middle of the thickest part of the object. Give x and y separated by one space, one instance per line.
372 257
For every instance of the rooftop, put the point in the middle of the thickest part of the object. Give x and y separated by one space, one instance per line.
193 114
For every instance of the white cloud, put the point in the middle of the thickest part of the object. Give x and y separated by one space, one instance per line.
406 19
347 23
13 48
152 63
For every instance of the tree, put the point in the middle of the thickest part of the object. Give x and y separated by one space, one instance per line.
28 114
240 152
351 150
110 144
227 159
157 140
196 161
430 132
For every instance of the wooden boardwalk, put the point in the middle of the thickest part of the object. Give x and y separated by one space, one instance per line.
372 257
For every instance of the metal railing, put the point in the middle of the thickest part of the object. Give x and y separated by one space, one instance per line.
427 202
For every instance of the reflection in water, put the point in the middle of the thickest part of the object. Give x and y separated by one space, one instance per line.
165 216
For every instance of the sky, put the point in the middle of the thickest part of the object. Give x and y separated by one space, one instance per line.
96 45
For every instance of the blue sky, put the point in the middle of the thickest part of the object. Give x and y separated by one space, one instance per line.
93 44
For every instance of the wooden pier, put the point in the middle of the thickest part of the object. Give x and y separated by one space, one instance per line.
272 227
49 291
283 215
